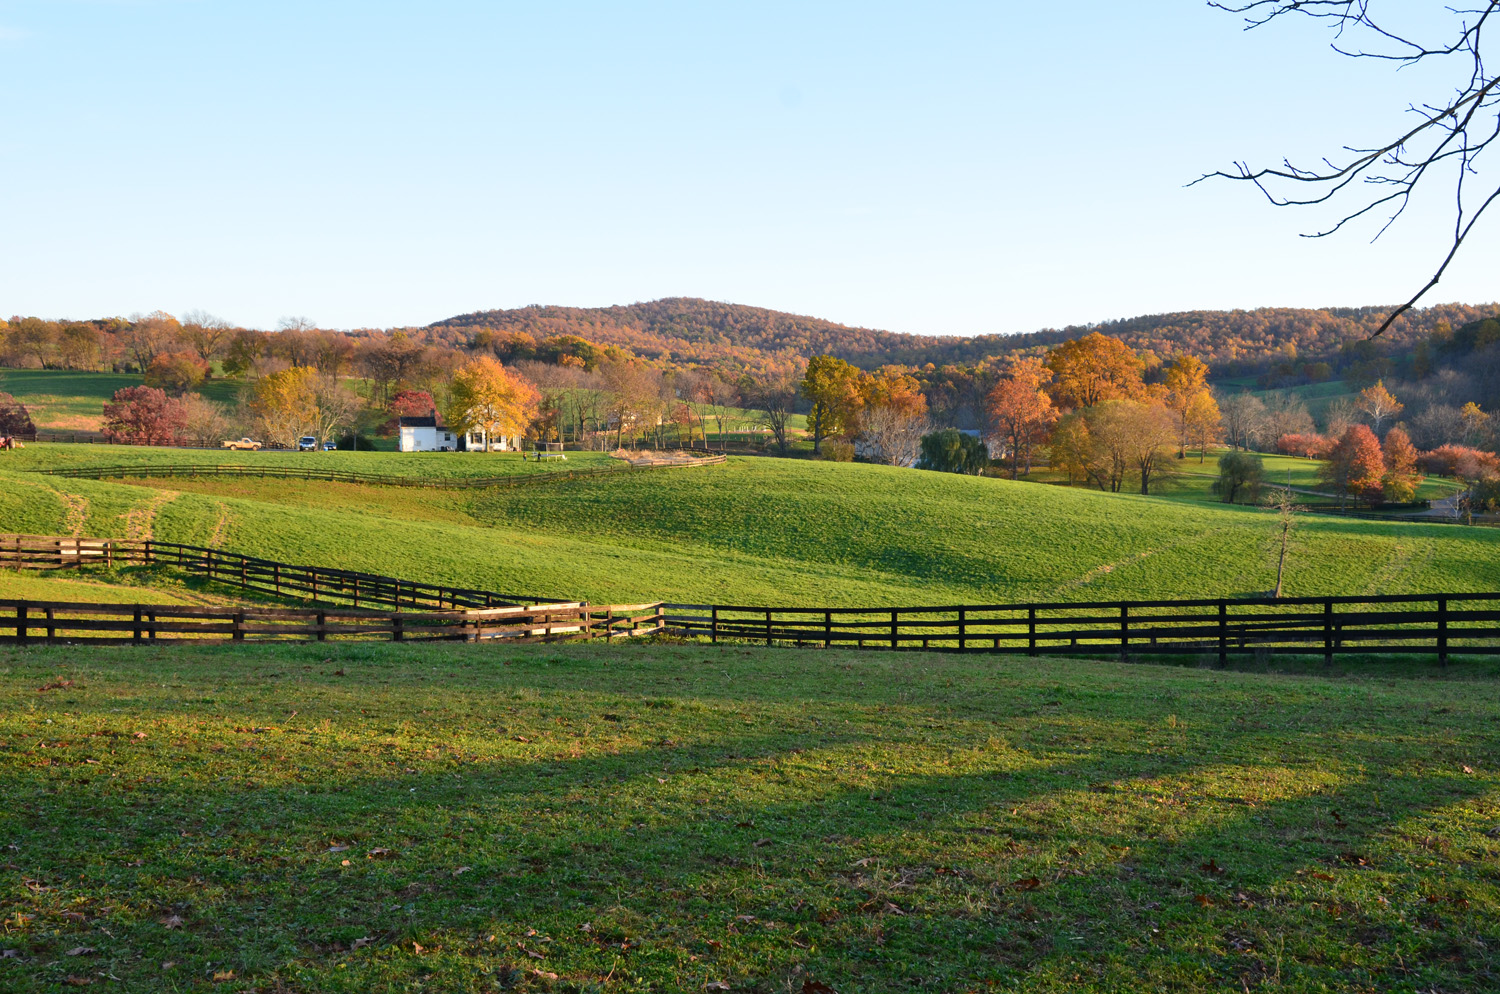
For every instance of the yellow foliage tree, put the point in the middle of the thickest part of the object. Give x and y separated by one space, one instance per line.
286 405
487 397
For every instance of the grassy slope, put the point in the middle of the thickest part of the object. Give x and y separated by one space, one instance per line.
65 400
423 465
652 818
773 531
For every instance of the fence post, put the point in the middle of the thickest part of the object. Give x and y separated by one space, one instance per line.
151 625
609 626
277 570
963 629
397 634
1442 627
894 644
21 633
768 626
356 594
1124 632
1328 632
322 626
713 624
239 626
827 629
588 622
51 628
1031 630
136 634
1223 633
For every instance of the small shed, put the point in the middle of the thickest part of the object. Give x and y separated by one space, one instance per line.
425 434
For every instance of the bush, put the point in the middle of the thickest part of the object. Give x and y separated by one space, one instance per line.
1240 475
358 443
838 451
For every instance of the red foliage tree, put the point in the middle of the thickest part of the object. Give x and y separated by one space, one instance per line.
14 418
408 404
1307 446
1460 461
143 416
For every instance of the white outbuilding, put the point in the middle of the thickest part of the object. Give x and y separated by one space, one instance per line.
425 435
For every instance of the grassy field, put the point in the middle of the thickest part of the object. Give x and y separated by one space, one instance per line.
64 400
423 465
767 531
661 818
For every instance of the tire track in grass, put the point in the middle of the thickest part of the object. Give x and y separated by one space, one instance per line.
221 527
75 507
139 522
1104 569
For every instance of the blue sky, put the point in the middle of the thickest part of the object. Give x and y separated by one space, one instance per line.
935 167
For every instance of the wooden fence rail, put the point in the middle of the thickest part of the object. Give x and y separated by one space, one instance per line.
316 583
26 622
330 475
1462 623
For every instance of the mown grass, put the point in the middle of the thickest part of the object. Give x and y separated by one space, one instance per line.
769 531
69 400
419 465
663 818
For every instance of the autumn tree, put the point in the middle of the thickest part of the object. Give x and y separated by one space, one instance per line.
142 416
1244 418
1149 432
80 346
832 387
148 335
285 404
1186 378
1355 466
1399 485
1378 404
893 416
1020 410
772 399
14 418
487 397
206 335
407 404
1093 369
1202 422
204 423
176 372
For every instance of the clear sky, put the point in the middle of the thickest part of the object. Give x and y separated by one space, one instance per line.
933 167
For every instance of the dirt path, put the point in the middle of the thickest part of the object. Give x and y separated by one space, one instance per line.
221 527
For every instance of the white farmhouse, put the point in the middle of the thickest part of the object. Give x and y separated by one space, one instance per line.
425 435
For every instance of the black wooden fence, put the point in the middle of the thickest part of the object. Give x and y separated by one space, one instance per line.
1461 623
319 584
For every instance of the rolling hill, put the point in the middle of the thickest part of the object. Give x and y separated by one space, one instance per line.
691 330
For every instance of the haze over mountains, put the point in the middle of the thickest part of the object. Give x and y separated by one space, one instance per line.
692 330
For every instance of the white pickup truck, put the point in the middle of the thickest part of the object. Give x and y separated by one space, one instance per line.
249 444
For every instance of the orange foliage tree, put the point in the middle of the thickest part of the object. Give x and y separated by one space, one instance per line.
1020 410
1093 369
1355 466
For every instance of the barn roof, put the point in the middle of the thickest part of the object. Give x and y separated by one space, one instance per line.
425 422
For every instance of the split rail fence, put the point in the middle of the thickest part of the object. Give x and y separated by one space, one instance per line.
1444 624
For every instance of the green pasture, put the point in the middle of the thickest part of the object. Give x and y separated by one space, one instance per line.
767 531
419 465
67 400
381 818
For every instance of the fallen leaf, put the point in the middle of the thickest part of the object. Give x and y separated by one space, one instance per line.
81 951
744 824
169 964
1468 769
1027 883
73 981
338 672
816 987
544 974
1213 869
762 843
344 862
1354 858
717 985
54 685
220 976
532 953
338 848
416 948
172 922
361 942
379 853
1204 900
140 735
1321 876
462 870
521 738
744 918
10 954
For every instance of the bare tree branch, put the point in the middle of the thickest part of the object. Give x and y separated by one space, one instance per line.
1452 133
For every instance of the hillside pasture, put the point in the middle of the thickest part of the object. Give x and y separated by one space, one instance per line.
67 400
767 531
380 818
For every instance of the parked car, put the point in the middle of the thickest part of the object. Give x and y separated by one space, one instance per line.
248 444
329 446
307 443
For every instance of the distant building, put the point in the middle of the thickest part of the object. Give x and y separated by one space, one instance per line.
426 435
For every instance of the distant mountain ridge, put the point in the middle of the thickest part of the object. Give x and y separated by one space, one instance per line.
692 330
